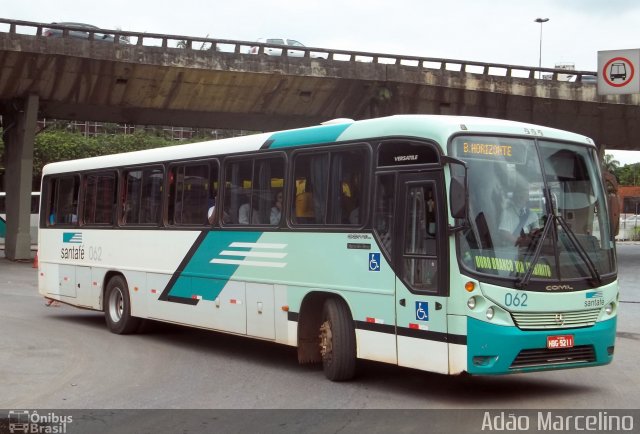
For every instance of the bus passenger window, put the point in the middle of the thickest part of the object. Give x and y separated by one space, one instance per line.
310 189
251 188
189 194
269 179
142 201
63 197
345 192
99 198
329 188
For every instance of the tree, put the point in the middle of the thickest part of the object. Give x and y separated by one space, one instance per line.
61 145
609 164
629 174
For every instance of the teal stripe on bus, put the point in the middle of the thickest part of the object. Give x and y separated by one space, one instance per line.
3 228
205 280
307 136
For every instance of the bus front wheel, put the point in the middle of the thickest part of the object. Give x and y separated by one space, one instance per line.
117 307
337 341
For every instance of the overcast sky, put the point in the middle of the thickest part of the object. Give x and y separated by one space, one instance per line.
497 31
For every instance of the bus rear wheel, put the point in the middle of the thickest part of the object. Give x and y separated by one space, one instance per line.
117 307
337 341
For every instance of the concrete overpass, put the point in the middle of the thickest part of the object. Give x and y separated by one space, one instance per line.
216 83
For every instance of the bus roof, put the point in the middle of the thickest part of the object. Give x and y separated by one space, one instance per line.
435 127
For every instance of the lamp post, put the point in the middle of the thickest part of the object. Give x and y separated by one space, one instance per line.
540 20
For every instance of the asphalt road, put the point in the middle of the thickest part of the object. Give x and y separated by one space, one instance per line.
65 358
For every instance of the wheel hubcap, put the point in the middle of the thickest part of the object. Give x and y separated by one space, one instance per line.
326 338
116 304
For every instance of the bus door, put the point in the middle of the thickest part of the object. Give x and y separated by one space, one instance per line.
421 308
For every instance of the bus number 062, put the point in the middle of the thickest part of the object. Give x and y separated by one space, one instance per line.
517 300
95 253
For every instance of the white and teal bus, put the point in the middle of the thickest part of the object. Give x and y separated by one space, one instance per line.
384 239
33 217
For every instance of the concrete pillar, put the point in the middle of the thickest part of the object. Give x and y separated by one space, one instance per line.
19 141
601 151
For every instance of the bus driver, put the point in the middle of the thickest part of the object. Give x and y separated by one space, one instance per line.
517 220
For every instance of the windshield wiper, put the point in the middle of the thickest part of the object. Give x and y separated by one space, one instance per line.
536 254
581 251
574 241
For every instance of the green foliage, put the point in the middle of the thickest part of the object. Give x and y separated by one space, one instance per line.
628 174
60 145
609 164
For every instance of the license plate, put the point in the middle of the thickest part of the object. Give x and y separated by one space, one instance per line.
564 341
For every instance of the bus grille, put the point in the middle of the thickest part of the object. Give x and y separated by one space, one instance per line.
555 320
546 357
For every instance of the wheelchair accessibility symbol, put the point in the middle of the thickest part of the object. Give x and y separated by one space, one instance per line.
422 311
374 261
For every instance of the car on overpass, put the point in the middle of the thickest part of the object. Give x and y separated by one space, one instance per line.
275 51
78 31
586 78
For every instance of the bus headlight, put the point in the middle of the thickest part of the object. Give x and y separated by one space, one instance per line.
471 303
609 309
490 313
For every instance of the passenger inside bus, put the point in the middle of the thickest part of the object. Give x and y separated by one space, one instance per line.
304 205
517 220
211 211
246 214
351 202
69 214
276 209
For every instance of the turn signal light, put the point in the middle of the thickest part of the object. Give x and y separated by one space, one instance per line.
469 286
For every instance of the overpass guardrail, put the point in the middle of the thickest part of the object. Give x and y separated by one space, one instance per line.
166 41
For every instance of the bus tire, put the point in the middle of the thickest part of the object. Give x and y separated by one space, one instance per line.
337 341
117 307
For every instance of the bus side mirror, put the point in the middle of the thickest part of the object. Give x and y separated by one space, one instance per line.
614 214
458 197
613 204
458 193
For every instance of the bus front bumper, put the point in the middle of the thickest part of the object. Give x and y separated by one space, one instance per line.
494 349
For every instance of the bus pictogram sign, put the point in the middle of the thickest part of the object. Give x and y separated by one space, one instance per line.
618 72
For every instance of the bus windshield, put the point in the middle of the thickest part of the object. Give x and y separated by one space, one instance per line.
537 211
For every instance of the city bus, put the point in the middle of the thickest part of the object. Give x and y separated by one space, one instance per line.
33 217
385 239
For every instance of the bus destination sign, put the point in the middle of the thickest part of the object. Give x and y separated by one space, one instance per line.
491 150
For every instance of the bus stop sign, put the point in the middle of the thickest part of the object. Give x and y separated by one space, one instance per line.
618 72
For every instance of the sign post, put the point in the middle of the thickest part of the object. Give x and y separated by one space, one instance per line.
618 72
